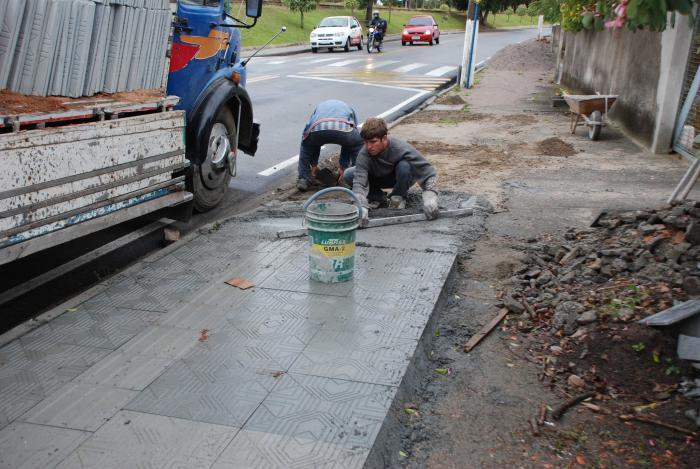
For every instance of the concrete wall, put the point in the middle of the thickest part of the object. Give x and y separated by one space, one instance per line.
617 62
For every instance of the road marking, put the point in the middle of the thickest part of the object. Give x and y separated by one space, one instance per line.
409 67
353 82
279 166
277 62
261 78
294 159
373 65
345 62
440 71
378 78
318 61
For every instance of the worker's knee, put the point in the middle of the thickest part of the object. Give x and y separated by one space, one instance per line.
403 169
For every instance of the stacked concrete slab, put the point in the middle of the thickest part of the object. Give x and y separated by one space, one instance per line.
82 47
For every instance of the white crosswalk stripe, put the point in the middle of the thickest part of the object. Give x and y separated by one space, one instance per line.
318 61
409 67
440 71
345 62
261 78
373 65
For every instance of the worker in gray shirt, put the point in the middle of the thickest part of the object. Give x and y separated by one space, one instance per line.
333 121
390 163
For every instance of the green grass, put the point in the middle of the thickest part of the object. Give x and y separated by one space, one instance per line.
274 17
502 21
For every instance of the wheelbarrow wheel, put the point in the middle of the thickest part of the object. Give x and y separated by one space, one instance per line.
594 129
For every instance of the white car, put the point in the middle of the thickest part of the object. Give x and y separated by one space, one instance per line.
337 31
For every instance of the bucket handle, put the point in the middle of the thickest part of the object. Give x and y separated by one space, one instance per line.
332 189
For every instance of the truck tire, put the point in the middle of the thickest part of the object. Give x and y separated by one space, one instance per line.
207 183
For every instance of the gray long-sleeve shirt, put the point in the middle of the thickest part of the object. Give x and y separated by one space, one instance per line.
383 165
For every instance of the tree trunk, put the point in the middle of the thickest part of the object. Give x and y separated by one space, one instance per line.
302 20
368 13
483 15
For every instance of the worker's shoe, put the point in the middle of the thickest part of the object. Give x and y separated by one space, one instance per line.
397 202
302 184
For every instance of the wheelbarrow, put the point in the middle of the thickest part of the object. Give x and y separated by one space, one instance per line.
590 110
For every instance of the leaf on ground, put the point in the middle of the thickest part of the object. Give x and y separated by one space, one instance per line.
402 454
442 371
277 374
203 335
580 459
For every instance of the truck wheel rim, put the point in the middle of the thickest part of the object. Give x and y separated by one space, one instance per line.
213 169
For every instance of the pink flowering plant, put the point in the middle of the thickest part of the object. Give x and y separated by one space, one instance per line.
630 14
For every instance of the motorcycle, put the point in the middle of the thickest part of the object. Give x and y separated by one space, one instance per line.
374 41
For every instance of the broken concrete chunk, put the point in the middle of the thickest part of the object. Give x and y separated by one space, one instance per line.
565 316
691 285
587 317
692 233
513 305
576 381
571 255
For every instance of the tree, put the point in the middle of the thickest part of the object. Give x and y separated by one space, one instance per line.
352 4
521 11
302 6
533 9
508 12
550 9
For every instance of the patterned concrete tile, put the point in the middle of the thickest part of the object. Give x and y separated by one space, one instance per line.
133 439
236 349
79 406
13 404
37 368
162 341
105 329
346 413
256 450
125 370
152 293
333 341
209 391
378 367
29 446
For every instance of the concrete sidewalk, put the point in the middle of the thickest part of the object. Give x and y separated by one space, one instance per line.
166 365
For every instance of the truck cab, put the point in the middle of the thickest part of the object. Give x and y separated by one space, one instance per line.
207 75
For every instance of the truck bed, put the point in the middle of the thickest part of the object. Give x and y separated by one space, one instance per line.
77 170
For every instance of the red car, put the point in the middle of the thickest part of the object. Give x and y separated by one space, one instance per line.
421 28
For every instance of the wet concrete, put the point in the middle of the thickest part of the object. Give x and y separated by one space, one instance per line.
165 362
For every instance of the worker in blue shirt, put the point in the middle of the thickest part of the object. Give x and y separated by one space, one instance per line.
333 121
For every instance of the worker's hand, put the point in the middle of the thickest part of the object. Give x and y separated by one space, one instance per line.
341 171
430 205
364 217
314 170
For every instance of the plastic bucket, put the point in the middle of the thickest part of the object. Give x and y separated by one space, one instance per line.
331 227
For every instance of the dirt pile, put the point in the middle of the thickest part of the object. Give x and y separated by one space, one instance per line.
576 303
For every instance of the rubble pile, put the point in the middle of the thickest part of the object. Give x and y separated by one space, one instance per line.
629 265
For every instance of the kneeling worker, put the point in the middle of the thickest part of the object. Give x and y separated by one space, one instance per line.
332 121
390 163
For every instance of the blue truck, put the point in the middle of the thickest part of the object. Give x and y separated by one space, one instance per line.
101 160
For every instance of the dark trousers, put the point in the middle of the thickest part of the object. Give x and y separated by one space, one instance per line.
399 181
350 143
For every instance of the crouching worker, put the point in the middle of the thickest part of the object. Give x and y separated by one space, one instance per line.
390 163
332 121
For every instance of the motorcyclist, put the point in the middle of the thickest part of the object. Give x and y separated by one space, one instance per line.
379 25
